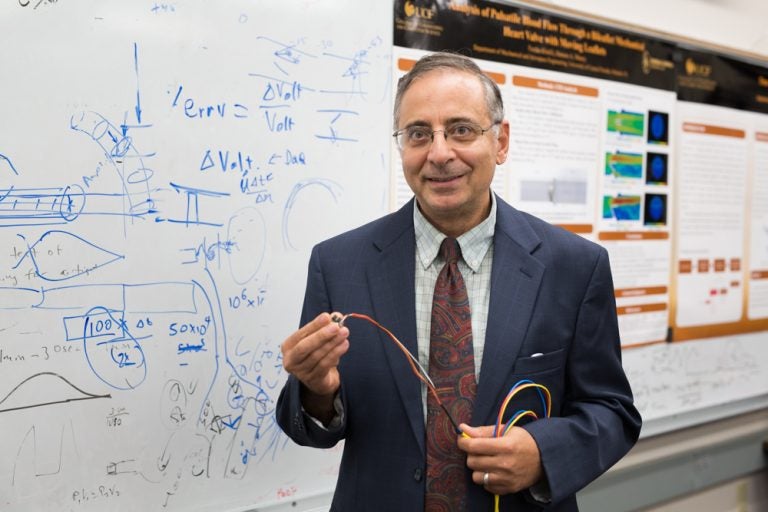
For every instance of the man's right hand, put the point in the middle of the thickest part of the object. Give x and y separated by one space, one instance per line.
312 355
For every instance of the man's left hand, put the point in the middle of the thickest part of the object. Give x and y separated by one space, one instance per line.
512 462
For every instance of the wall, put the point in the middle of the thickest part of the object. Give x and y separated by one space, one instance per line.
736 24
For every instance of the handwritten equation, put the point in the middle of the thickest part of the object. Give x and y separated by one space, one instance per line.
154 239
670 380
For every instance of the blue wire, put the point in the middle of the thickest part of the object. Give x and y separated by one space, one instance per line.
538 390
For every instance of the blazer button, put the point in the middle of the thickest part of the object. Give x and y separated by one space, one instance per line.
417 474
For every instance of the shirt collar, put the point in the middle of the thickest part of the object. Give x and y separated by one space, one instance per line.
474 243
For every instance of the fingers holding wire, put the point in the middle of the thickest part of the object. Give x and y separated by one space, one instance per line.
339 318
312 353
513 461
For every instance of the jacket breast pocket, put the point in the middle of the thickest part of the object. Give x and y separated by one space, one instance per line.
539 363
546 369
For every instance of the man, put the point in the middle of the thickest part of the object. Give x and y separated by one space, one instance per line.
541 305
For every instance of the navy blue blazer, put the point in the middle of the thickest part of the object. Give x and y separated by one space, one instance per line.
551 294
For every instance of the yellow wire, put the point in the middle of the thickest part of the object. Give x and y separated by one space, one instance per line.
511 395
496 497
502 410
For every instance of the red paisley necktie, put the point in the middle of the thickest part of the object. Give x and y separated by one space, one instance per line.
452 368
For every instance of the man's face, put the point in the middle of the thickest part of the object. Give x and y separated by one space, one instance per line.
451 182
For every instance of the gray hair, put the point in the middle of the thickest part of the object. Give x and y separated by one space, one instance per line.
455 61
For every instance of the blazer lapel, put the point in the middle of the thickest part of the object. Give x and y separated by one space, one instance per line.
391 279
515 280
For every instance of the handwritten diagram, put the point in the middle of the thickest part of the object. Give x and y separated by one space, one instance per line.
158 202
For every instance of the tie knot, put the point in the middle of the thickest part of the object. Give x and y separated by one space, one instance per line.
450 250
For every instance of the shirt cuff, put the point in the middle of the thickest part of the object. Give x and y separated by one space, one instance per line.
337 419
540 491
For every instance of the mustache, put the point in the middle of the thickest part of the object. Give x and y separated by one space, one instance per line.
444 173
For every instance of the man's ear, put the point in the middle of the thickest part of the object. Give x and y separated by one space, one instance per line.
503 143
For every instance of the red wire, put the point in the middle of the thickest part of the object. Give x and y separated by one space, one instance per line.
419 372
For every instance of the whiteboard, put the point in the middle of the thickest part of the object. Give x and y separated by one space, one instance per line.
165 168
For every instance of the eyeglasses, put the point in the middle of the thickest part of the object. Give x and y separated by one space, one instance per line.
457 135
